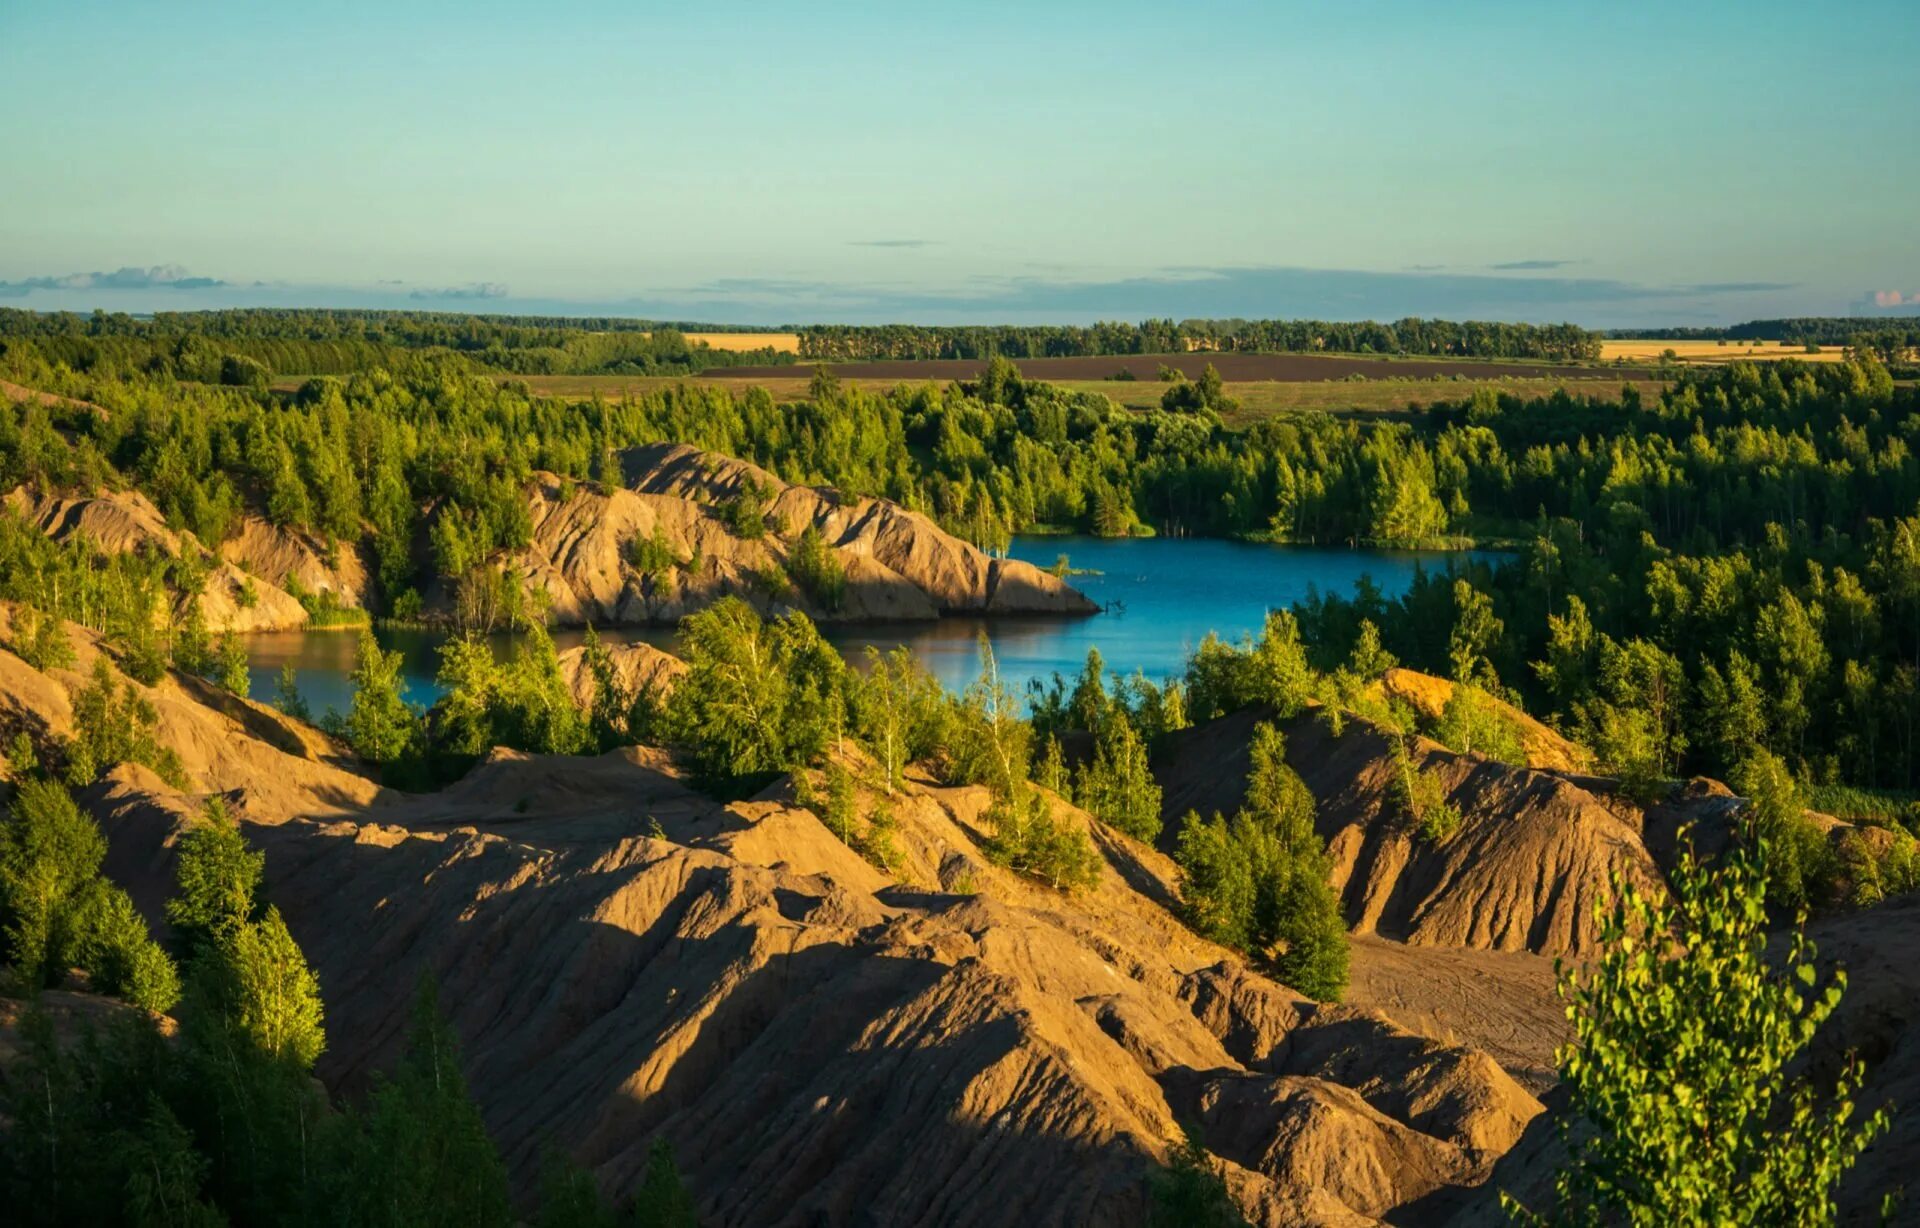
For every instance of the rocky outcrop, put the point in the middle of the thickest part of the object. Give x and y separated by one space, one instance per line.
1534 852
236 595
898 565
640 668
822 1041
296 560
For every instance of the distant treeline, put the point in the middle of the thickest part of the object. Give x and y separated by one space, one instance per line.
254 345
1471 338
1800 330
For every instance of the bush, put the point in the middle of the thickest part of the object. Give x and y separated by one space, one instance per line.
58 911
745 515
113 723
1799 864
1115 786
1029 839
758 697
1473 724
817 570
1678 1106
1422 799
653 556
1258 882
40 639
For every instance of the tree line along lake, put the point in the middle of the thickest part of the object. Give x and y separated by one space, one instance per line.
1160 596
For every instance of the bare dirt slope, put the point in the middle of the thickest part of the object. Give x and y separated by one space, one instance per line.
1533 854
898 565
954 575
822 1042
244 585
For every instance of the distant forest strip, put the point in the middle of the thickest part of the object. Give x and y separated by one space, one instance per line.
1473 339
1880 332
251 347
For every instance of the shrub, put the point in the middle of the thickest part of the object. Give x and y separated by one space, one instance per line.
113 723
817 570
745 515
653 556
1258 882
1029 839
1116 787
1679 1106
1798 862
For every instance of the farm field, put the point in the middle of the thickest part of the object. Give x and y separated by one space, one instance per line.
780 343
1631 349
1233 367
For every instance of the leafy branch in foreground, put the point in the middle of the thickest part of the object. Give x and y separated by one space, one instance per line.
1678 1071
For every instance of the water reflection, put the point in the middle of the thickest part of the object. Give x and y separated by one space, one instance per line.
1163 596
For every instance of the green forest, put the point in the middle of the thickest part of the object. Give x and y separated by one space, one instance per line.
254 346
1734 562
1469 339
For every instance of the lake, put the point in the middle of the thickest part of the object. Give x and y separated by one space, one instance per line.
1162 595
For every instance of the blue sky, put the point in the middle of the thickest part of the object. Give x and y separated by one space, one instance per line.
1611 164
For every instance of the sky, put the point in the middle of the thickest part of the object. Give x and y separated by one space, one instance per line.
1614 165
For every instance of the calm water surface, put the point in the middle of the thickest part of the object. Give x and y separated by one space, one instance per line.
1162 596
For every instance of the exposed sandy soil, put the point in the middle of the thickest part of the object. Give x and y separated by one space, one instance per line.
825 1042
899 565
822 1041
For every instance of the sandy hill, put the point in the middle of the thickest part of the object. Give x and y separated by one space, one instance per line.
1533 854
247 578
899 565
826 1042
822 1041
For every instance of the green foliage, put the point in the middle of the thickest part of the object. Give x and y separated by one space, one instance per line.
380 726
816 570
217 878
840 813
1029 838
59 913
1116 786
758 697
745 515
663 1201
1258 882
1271 671
1473 724
114 723
654 556
898 711
990 744
1684 1034
419 1153
90 1138
1795 856
231 659
287 697
1190 1192
40 639
1422 798
267 1000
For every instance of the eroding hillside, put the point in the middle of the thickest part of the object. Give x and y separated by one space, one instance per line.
624 958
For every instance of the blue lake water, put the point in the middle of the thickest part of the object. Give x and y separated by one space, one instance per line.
1162 596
